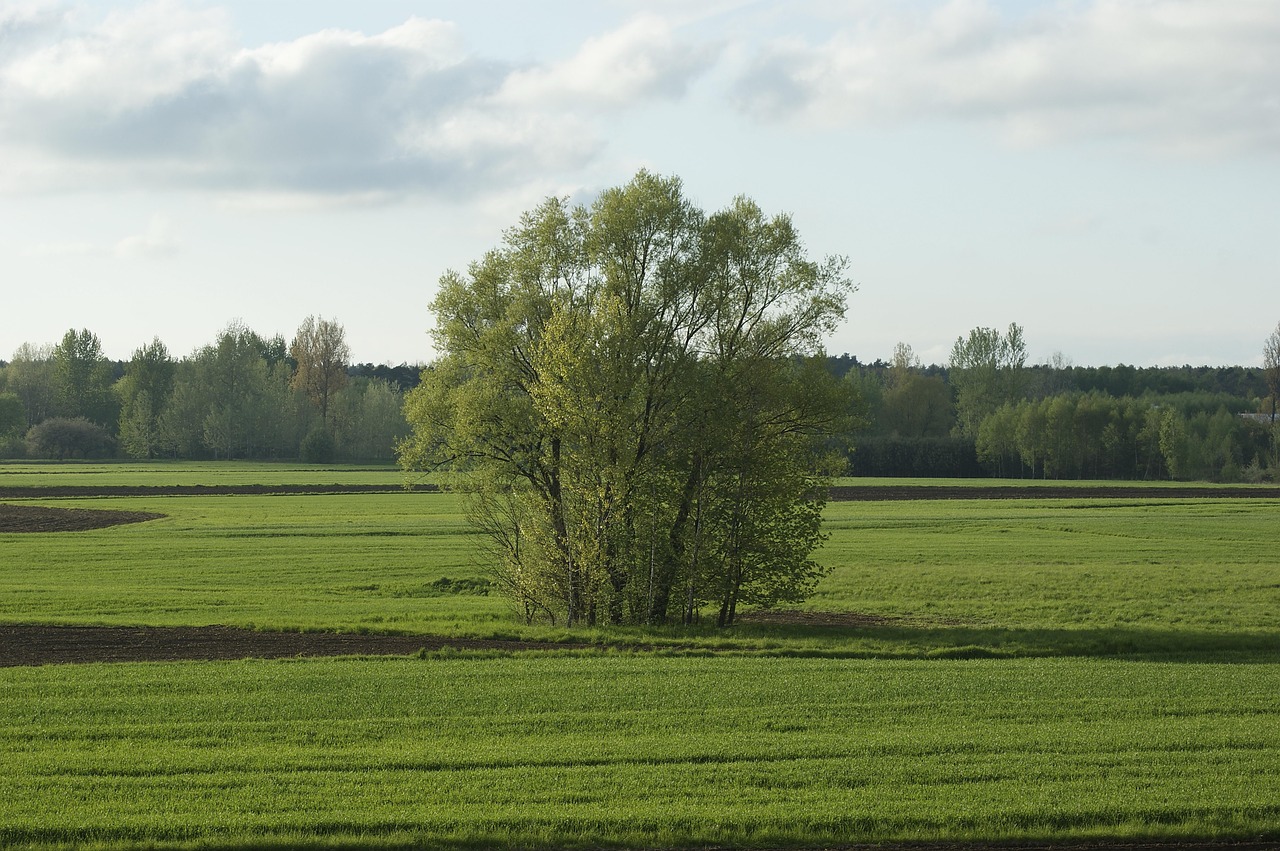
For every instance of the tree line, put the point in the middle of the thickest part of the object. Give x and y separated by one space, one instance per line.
248 396
988 412
242 396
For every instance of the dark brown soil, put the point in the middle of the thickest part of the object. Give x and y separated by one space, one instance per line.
50 645
33 518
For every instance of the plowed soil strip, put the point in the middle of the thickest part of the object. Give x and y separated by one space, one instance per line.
52 645
61 491
33 518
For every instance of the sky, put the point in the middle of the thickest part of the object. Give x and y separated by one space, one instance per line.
1105 173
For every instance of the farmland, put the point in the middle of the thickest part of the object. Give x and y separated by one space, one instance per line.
1031 669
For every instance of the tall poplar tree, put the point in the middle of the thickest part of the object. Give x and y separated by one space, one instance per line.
321 353
1271 367
82 378
986 370
144 394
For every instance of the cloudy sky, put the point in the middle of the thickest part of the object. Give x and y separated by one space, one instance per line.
1106 173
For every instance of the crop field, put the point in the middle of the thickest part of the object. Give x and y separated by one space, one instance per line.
1044 670
636 750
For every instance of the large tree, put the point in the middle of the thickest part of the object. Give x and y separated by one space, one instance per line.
144 392
321 353
231 399
986 370
31 378
82 378
1271 367
914 405
624 391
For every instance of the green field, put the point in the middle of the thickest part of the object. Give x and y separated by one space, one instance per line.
1129 689
637 750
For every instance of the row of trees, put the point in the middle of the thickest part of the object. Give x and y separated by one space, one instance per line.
987 412
1097 436
241 396
249 396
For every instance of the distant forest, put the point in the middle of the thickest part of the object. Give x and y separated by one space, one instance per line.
241 396
986 413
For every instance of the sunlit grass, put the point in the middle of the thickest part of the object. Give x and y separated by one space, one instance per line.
1157 719
350 562
1022 564
554 751
1015 577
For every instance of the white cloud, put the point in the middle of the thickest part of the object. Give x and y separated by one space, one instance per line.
128 60
164 95
1174 75
640 61
160 239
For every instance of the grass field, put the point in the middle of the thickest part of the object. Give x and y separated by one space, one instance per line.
637 750
1138 699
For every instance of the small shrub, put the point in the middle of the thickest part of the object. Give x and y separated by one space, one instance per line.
318 447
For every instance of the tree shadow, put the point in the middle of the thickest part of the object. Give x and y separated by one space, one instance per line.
854 635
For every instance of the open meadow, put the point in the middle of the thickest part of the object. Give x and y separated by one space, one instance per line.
1032 669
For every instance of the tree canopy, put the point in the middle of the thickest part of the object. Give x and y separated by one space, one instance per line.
321 353
1271 367
986 371
634 394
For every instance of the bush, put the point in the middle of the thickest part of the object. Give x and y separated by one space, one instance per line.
318 447
60 438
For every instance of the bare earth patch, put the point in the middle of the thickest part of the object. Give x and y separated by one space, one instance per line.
34 518
22 644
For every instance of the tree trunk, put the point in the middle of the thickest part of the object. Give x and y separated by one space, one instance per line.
665 575
573 583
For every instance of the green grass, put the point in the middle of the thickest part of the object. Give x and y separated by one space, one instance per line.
160 473
1026 574
349 562
562 750
884 481
1016 577
1131 693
